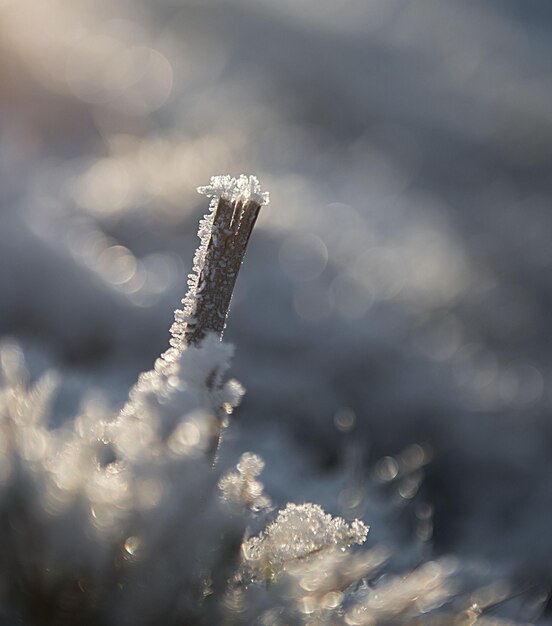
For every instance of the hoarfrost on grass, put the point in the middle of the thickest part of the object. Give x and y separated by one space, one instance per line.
223 232
299 531
244 188
242 487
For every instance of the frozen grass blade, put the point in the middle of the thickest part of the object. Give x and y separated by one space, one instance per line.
224 234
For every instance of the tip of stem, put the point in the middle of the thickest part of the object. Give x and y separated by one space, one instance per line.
243 188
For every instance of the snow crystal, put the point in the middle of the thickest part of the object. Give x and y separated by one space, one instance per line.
244 188
299 531
184 316
241 487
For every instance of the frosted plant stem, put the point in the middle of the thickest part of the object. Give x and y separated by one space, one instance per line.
232 226
224 234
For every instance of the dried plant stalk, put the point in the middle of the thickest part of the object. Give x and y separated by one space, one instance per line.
232 226
224 234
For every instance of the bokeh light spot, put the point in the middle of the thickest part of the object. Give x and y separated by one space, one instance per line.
303 256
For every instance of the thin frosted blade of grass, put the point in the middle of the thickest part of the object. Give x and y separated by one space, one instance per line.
224 233
210 302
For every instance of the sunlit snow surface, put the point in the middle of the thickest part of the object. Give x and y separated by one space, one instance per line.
391 319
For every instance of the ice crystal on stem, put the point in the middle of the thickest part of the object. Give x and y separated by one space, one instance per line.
299 531
224 233
241 189
242 487
194 345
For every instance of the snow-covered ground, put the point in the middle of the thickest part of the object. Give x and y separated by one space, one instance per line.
391 319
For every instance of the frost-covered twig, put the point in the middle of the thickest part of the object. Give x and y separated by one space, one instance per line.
224 234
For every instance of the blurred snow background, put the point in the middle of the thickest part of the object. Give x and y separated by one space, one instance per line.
392 311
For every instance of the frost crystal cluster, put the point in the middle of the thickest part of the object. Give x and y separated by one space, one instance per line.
99 519
224 233
299 531
242 487
241 189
